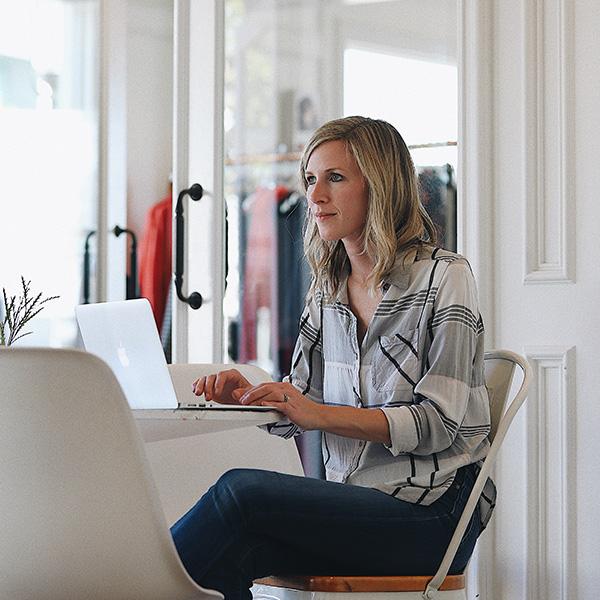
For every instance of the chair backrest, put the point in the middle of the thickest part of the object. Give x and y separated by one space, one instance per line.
184 468
499 370
80 514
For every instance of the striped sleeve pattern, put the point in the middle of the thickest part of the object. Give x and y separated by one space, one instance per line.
444 390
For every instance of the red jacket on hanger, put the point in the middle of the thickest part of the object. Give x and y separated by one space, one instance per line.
260 269
155 263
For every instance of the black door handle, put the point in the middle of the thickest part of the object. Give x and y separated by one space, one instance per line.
131 279
86 267
195 193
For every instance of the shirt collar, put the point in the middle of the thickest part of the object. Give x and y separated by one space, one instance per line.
399 276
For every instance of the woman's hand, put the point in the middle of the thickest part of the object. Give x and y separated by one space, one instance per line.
220 387
286 399
348 421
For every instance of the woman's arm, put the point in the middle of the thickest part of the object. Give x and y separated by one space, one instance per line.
360 423
452 384
306 376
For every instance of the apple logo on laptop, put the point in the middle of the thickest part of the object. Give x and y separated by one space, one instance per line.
122 354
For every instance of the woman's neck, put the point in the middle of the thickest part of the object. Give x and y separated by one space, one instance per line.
361 267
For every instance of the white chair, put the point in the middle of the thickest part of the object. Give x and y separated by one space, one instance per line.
499 370
184 468
80 514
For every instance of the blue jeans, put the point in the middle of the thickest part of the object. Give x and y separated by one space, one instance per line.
254 523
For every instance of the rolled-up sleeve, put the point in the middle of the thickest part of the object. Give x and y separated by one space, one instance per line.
403 430
450 384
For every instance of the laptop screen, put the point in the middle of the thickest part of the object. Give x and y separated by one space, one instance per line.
124 335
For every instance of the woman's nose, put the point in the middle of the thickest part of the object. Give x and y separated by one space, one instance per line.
316 194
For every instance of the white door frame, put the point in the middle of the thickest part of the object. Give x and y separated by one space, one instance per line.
476 148
475 228
199 48
112 150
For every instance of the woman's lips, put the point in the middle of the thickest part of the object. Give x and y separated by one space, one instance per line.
323 216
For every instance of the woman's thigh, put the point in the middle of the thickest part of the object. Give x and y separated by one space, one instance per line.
339 526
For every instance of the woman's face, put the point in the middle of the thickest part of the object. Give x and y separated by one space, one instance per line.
337 193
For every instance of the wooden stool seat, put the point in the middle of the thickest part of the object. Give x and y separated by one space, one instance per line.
366 583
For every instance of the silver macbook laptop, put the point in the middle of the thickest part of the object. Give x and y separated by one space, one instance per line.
124 335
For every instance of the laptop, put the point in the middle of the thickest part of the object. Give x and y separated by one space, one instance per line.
124 335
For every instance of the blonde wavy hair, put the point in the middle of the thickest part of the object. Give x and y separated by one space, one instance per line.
396 219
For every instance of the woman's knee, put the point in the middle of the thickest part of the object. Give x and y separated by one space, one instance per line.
240 490
242 481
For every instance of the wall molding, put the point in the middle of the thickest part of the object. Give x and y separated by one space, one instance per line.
548 143
475 218
475 210
550 416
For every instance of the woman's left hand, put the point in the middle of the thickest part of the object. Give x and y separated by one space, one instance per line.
286 399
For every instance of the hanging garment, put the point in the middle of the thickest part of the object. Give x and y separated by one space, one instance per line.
259 297
274 278
437 191
155 263
293 278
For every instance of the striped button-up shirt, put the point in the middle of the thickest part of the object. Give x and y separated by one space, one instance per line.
420 362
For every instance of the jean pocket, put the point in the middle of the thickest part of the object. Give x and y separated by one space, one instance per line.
396 364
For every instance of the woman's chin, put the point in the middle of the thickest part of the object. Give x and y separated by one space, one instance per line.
327 235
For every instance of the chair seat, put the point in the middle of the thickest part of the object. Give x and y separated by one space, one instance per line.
367 583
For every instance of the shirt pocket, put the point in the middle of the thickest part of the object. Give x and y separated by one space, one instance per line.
396 365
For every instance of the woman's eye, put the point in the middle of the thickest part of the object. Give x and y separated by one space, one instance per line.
335 177
310 179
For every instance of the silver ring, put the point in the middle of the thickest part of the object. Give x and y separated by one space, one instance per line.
285 398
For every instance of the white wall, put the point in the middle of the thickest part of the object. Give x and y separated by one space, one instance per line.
420 28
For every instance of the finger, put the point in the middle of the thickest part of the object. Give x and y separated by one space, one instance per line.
281 407
220 382
242 381
255 395
239 392
198 386
267 392
209 387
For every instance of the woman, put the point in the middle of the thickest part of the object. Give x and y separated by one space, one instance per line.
388 365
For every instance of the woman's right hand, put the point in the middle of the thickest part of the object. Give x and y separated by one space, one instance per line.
219 387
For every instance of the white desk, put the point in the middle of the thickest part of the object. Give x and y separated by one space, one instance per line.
166 424
189 450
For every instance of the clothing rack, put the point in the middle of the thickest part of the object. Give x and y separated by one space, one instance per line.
273 157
